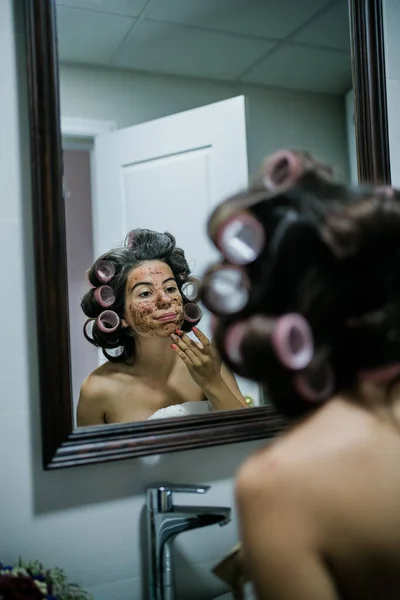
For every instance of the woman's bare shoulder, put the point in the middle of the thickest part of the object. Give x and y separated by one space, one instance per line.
97 391
102 380
333 439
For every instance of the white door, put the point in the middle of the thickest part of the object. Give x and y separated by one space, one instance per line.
167 175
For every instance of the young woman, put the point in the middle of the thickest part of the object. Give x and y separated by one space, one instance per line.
313 312
138 313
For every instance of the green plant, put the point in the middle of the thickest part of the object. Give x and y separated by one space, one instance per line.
30 580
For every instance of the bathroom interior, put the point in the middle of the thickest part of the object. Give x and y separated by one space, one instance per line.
128 68
226 82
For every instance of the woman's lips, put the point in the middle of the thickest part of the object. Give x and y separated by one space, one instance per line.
168 317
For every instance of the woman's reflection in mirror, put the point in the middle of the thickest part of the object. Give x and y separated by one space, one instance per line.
139 312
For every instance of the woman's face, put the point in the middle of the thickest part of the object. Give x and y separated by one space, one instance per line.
153 303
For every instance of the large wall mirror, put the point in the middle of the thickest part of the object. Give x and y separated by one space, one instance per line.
144 115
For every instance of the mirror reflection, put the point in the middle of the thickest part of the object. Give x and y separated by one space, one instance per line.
141 308
166 107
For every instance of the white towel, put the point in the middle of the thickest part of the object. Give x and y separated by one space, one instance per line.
182 410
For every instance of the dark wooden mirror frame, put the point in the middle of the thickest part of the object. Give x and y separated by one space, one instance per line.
62 445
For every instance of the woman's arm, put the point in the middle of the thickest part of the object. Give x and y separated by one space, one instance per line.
279 536
224 394
90 409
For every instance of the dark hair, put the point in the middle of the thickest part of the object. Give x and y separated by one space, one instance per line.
104 304
322 294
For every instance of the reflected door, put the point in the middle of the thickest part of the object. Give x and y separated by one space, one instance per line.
167 175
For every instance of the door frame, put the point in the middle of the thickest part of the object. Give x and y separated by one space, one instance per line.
73 127
79 134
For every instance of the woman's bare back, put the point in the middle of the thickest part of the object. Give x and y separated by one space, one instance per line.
113 394
359 479
340 468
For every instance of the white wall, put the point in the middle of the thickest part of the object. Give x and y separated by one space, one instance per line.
392 52
314 122
86 520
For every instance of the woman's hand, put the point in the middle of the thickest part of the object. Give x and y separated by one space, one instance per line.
205 367
202 361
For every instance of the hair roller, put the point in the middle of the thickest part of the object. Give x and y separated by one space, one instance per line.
113 354
97 299
106 329
108 321
240 238
287 168
88 330
293 342
251 344
281 170
232 343
101 272
191 289
247 345
316 384
104 296
289 337
226 290
192 314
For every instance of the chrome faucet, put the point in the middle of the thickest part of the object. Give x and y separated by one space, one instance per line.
164 521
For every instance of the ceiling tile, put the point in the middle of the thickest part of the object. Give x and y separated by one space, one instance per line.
331 29
166 48
129 8
89 37
303 68
265 18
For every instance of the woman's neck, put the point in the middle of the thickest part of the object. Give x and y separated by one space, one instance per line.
154 358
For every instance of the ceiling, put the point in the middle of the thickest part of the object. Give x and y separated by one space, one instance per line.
290 44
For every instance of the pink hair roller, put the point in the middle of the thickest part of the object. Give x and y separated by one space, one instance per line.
282 170
226 290
241 238
104 271
104 296
315 387
233 340
108 321
293 342
192 313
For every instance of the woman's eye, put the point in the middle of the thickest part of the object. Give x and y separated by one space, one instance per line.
171 290
144 295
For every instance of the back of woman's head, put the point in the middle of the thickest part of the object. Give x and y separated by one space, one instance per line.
307 297
104 303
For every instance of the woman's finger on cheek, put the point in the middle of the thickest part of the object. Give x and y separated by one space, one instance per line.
179 342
